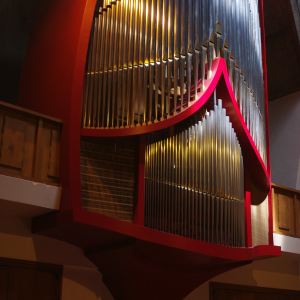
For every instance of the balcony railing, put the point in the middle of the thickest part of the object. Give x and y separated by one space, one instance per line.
286 211
30 144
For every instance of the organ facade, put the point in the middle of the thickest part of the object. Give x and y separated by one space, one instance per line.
164 146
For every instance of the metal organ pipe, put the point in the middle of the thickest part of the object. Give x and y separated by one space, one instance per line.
194 182
146 60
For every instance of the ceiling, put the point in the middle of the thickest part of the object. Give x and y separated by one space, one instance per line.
16 18
283 48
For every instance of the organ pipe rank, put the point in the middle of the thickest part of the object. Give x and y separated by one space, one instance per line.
194 183
148 59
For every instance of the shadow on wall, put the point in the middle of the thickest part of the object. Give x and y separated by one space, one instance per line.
81 278
83 283
281 273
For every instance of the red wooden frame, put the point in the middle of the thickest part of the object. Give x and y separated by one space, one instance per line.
139 181
63 99
219 81
264 63
247 205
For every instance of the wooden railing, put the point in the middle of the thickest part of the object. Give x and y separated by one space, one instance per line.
29 144
286 211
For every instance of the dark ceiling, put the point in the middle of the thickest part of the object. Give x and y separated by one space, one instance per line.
283 49
16 17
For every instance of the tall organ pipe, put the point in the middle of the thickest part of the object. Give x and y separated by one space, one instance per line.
146 60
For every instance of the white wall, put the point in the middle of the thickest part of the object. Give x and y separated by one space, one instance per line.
284 117
81 279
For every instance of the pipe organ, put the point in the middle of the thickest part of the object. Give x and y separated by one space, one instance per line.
148 61
156 172
195 182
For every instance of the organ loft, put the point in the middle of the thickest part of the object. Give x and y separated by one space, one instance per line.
165 139
147 62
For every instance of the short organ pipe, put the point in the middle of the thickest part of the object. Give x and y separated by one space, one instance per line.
198 183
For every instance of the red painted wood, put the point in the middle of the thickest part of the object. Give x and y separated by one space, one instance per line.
141 263
135 273
140 181
52 79
172 240
264 63
219 81
247 205
252 159
103 230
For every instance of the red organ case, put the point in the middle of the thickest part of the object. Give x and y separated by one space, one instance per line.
156 176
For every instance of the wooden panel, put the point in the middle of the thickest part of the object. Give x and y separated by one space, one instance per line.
284 189
53 167
10 171
29 144
42 152
265 296
225 294
297 214
36 173
284 212
4 273
29 148
12 146
12 114
47 286
20 280
7 107
1 126
32 284
275 209
21 285
223 291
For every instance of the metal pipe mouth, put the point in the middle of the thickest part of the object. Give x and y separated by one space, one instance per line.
194 189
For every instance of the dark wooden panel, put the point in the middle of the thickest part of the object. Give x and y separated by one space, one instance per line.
12 144
21 284
297 214
4 274
283 209
33 284
223 291
24 280
232 295
30 144
29 147
47 285
286 211
53 166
